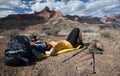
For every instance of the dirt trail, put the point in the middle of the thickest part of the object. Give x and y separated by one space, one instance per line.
107 64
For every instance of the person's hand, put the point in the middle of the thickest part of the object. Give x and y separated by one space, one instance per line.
51 52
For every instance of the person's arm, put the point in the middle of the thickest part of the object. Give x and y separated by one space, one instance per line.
51 52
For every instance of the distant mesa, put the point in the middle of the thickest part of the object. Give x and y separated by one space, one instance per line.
19 21
112 18
46 14
46 9
85 19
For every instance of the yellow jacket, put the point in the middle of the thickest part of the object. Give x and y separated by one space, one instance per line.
63 44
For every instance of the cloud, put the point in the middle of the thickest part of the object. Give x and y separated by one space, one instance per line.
5 13
97 8
72 7
101 7
68 8
7 7
11 4
77 7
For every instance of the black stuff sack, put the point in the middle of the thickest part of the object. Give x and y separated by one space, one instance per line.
18 51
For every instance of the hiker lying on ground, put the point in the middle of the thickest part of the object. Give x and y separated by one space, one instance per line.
73 40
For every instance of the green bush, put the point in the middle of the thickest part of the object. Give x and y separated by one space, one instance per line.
52 32
105 34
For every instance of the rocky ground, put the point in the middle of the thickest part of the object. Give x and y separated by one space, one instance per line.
107 64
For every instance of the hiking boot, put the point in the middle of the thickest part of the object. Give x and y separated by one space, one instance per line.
81 43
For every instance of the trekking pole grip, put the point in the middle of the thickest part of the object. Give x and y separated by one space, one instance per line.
93 62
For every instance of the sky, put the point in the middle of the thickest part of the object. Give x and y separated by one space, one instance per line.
96 8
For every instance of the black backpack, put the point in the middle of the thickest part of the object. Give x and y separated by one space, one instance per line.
18 51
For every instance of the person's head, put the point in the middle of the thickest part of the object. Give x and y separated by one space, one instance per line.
48 46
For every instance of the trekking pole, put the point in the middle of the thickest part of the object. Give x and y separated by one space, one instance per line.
75 54
93 62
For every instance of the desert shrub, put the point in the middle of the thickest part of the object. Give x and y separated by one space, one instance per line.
52 32
105 34
87 30
11 33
